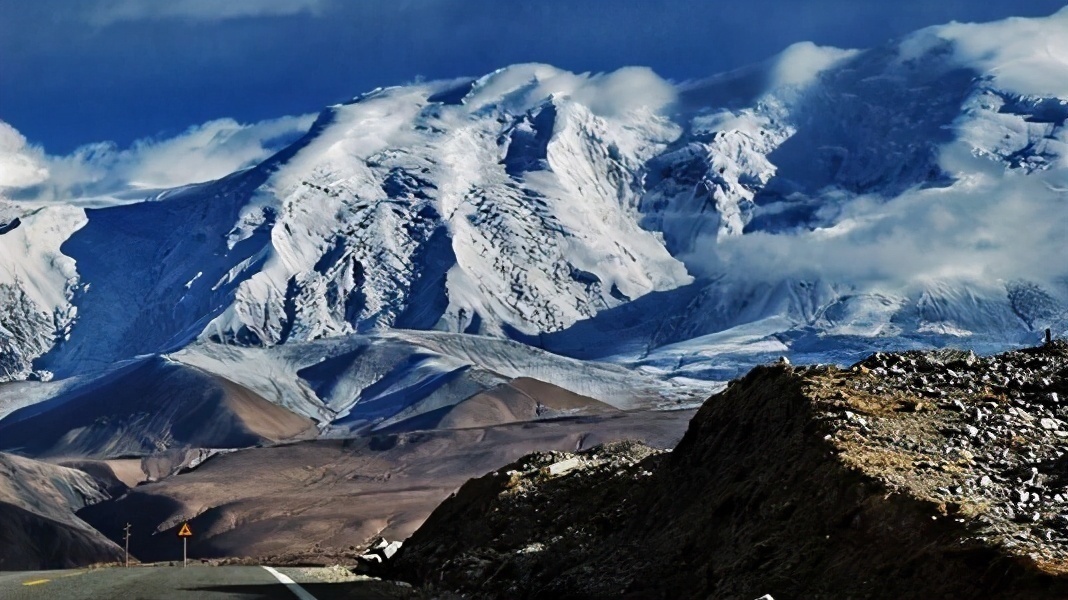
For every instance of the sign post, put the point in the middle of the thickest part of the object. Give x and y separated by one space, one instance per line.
127 530
185 533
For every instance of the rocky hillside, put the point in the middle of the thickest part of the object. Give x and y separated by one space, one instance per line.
928 475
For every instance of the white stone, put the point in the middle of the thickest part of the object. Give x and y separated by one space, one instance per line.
390 549
563 466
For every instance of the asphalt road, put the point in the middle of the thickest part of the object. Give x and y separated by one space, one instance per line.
192 583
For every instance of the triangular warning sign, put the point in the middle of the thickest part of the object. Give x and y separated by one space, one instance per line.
185 531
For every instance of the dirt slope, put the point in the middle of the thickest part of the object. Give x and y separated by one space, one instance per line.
38 529
799 483
322 501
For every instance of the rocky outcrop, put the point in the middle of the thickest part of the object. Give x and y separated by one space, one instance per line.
812 482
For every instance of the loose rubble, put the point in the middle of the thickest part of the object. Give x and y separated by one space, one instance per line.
989 439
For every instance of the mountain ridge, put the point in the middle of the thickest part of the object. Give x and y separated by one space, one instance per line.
909 195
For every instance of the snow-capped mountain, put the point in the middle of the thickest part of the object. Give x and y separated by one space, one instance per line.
820 204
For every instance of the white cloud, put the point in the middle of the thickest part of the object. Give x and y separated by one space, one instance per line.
114 11
624 90
201 153
607 94
802 62
1027 56
207 151
1005 227
20 165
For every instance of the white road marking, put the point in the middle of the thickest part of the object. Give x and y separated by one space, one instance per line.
293 586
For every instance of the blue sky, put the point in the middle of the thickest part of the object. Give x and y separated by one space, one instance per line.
72 73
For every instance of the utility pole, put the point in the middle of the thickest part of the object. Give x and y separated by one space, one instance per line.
127 530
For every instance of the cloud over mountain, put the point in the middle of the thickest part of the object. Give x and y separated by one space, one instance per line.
201 153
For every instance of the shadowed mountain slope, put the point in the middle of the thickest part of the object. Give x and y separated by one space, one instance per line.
146 407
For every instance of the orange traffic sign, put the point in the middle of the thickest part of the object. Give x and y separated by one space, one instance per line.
185 531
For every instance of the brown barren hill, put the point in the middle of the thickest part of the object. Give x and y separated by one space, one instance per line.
917 475
521 399
144 408
38 529
323 501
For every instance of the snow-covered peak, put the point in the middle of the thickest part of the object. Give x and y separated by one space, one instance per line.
913 191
